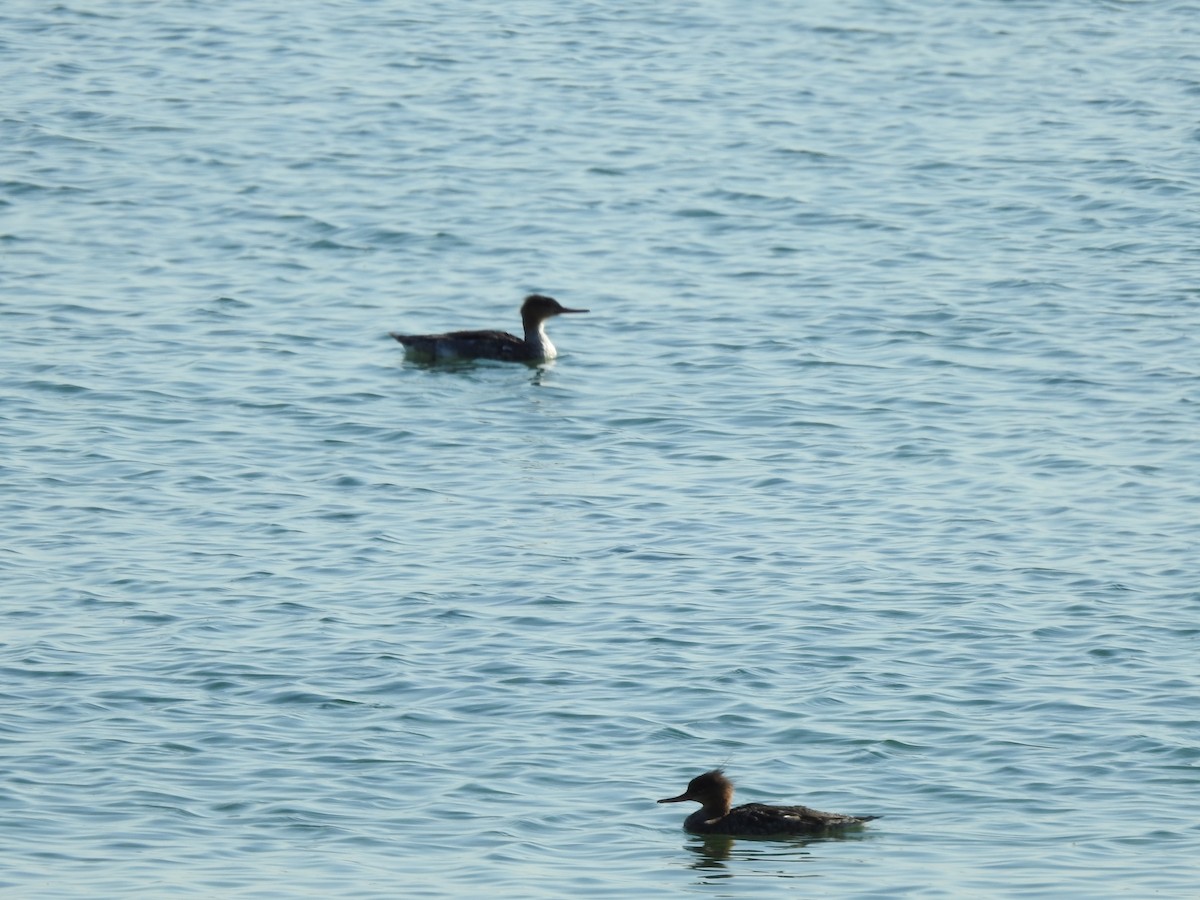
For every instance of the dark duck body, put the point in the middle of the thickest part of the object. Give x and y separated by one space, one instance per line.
714 792
500 345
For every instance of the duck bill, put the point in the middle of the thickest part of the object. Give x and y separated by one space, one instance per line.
678 799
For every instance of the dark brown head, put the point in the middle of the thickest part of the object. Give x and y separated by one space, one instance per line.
539 307
712 790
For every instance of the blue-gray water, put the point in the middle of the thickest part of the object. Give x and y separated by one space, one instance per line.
874 472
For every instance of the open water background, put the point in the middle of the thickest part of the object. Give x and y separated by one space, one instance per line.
873 474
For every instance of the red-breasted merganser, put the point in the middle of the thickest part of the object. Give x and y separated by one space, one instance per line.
536 347
713 791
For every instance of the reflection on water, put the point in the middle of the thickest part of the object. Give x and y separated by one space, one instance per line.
720 856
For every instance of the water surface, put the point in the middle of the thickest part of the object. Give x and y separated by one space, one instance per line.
872 473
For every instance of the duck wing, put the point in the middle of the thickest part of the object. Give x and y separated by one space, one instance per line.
465 344
759 818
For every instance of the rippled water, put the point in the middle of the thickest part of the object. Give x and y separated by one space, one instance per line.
873 473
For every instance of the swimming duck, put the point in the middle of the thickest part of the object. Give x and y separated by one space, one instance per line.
713 791
535 347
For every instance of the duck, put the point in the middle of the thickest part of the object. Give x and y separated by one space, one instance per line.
535 347
714 792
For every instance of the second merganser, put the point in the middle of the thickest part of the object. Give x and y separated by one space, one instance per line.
714 792
501 345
